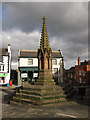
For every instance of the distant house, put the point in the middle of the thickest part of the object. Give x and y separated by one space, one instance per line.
82 72
69 75
5 65
28 64
78 75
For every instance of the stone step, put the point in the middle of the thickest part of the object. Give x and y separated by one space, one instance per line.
40 87
43 89
52 94
32 87
44 83
39 95
26 101
53 97
36 97
42 92
31 92
38 102
28 96
54 101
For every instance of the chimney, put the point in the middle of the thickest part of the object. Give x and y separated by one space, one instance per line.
85 60
9 48
78 60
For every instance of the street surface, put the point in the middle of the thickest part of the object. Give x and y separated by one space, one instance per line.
58 111
70 109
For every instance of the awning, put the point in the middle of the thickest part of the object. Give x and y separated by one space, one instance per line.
28 69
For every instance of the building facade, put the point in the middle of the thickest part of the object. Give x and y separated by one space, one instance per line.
28 65
82 72
69 75
5 65
78 75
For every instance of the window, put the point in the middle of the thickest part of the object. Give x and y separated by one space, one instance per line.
83 73
84 80
71 76
80 80
55 70
68 75
54 62
30 61
79 72
3 68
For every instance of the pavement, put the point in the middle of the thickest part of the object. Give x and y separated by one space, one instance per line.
6 93
69 109
56 111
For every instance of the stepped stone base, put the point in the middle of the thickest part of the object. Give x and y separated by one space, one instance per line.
43 92
40 95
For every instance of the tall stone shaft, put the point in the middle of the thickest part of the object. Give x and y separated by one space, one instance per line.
44 52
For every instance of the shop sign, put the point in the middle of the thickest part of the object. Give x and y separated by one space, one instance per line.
3 75
35 75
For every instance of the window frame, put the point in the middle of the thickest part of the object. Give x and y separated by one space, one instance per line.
55 63
30 61
54 70
0 68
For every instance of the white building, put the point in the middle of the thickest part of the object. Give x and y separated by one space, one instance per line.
28 65
5 65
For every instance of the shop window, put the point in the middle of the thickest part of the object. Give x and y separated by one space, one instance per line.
3 79
55 70
3 68
30 61
54 62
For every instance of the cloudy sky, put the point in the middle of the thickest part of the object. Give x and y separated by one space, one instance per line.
67 26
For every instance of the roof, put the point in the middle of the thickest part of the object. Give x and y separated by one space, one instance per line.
33 53
56 54
4 51
71 70
28 53
85 62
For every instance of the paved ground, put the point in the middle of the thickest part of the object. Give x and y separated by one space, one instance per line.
65 110
58 111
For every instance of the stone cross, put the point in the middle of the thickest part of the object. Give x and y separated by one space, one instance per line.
44 18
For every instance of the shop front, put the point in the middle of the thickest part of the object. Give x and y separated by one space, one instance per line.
3 78
28 74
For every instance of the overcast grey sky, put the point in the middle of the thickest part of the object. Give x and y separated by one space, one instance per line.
67 26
